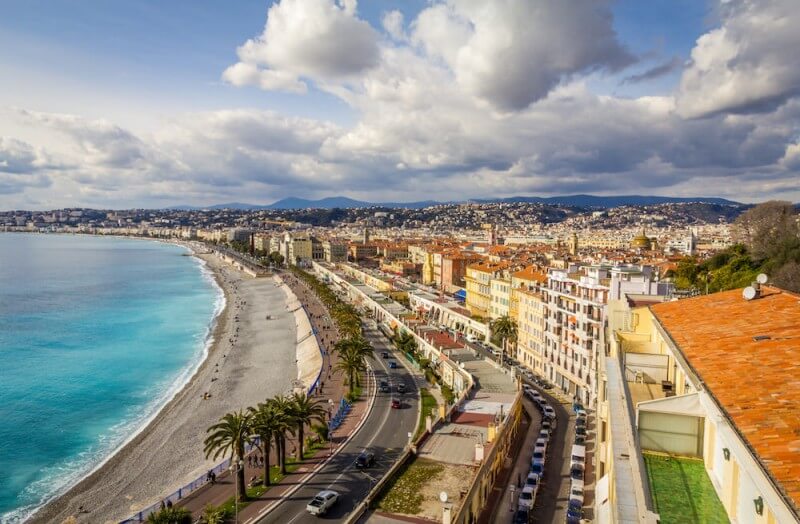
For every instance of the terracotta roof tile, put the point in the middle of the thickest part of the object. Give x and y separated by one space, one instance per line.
757 382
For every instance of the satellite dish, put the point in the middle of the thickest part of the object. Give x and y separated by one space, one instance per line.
443 496
749 293
762 278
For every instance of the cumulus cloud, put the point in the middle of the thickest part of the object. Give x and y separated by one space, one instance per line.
748 64
654 72
513 53
22 166
312 39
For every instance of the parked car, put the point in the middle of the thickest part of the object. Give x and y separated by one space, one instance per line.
392 364
540 445
580 431
384 354
401 388
538 458
574 509
549 412
396 403
549 426
576 493
576 472
383 386
532 480
471 338
322 502
526 497
580 440
538 469
580 422
578 455
366 459
521 516
544 434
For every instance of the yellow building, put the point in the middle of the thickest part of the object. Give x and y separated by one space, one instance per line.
530 313
479 288
711 379
499 297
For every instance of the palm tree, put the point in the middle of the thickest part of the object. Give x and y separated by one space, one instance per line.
284 424
505 329
352 363
356 345
305 411
230 435
265 425
405 342
213 515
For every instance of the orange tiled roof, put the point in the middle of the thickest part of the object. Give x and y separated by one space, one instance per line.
756 382
531 273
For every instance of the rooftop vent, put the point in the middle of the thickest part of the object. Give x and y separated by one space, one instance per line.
759 338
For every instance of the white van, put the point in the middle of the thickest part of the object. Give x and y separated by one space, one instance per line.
578 454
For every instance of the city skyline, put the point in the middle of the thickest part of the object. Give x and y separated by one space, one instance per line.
152 106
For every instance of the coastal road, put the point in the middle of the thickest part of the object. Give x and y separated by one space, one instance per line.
385 433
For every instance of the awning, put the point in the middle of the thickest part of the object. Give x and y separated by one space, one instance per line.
461 294
682 405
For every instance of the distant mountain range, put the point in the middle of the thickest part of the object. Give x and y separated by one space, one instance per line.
585 201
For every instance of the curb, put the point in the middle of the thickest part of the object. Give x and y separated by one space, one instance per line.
307 477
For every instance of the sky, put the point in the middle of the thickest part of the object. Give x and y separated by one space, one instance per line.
197 102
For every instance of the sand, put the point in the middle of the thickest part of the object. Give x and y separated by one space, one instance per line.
252 359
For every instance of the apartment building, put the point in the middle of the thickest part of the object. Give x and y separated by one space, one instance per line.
334 251
454 269
712 377
530 318
479 288
576 320
500 296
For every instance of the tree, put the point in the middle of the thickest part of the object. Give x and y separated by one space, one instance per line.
265 425
504 329
276 258
405 342
767 227
305 411
284 424
213 515
173 515
351 363
230 435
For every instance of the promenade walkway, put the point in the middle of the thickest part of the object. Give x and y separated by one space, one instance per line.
331 388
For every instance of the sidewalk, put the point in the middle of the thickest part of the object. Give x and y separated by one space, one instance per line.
332 388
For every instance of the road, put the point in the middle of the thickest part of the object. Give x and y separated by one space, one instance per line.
385 433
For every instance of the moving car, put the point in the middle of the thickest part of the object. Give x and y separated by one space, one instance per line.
392 364
384 386
366 459
395 403
401 388
526 498
384 354
322 502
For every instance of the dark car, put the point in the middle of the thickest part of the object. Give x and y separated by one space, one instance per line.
365 459
576 472
392 364
521 516
384 386
395 403
384 354
580 431
401 388
580 440
574 511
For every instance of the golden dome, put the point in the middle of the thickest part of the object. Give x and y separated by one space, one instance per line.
641 242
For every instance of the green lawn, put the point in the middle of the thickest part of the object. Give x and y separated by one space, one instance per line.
682 491
428 403
404 492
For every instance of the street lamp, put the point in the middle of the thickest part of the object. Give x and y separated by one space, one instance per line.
236 464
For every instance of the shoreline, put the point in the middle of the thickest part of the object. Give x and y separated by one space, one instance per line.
116 467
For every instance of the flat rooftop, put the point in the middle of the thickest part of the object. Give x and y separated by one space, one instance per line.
748 355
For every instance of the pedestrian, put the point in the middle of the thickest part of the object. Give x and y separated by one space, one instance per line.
213 478
169 503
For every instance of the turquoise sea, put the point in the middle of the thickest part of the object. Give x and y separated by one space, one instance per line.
96 334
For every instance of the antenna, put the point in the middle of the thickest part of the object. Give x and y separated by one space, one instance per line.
762 278
443 496
749 293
